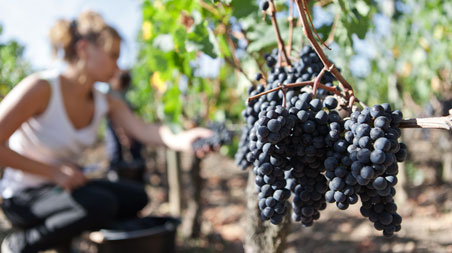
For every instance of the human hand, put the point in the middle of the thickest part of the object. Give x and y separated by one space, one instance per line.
221 136
203 150
69 177
186 139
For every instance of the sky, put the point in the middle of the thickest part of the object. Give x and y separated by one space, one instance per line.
29 22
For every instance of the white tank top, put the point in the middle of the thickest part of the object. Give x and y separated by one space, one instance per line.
50 137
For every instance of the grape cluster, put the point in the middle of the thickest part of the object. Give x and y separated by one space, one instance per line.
343 188
269 145
307 68
221 136
243 156
364 163
313 134
287 148
307 150
243 150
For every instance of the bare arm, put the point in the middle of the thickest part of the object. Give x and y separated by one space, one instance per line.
153 134
29 98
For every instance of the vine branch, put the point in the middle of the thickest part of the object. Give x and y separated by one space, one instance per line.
233 50
333 30
278 34
431 123
444 122
291 24
293 85
242 35
238 67
209 8
312 23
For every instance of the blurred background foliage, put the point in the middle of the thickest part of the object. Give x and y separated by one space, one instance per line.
196 58
206 52
13 67
386 48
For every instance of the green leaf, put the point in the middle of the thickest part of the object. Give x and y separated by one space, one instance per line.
358 25
243 8
180 36
199 40
172 104
343 5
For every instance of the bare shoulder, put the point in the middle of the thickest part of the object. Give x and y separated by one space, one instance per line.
27 99
33 91
35 84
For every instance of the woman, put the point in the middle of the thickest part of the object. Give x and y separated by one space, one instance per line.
45 123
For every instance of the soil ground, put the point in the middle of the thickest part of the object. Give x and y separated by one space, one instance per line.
426 226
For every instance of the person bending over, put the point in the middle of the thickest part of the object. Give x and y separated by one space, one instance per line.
46 122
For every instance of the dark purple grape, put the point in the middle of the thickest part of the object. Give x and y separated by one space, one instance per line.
382 144
379 183
382 122
367 172
268 212
376 111
330 102
258 77
377 157
264 5
329 196
336 184
315 105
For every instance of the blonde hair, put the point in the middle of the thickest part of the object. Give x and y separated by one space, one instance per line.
89 26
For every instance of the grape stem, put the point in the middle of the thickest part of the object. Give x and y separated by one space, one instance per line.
317 81
284 89
238 67
293 85
278 35
431 123
333 30
209 8
313 28
234 62
346 87
242 35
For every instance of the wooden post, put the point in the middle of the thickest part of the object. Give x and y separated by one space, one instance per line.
174 182
447 166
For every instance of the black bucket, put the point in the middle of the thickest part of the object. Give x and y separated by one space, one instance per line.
148 234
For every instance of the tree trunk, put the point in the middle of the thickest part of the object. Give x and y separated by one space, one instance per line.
194 212
262 236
